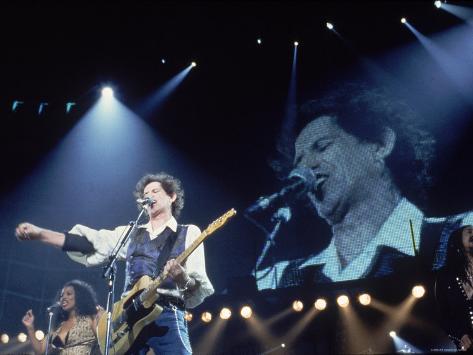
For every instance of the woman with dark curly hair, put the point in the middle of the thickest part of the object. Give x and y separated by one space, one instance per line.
454 289
75 322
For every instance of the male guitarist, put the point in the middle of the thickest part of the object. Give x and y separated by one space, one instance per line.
154 244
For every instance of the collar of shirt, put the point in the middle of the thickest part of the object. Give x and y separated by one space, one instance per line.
395 233
153 234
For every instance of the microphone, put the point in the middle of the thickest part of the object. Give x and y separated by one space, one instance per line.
53 306
297 182
147 201
283 214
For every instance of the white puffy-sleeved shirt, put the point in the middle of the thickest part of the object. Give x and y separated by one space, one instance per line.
104 241
395 233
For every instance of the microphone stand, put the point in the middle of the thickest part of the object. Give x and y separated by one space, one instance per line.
109 274
48 338
283 214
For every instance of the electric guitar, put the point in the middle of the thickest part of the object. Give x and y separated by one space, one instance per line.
138 308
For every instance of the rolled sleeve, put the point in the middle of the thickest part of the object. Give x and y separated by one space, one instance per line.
195 267
103 240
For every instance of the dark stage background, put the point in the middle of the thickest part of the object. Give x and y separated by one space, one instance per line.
217 131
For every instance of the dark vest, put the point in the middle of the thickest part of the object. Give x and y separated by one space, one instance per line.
143 253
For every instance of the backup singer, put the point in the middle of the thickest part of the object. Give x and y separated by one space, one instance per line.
75 322
454 289
187 285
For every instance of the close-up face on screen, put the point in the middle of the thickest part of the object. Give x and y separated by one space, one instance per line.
364 161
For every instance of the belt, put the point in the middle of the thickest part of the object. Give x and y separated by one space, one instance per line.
170 301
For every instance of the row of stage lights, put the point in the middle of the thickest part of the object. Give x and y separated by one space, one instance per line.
21 337
69 105
343 300
331 27
107 93
320 304
246 312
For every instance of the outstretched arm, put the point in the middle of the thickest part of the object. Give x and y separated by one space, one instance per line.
83 244
28 231
65 241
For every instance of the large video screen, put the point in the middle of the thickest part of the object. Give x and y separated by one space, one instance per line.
356 171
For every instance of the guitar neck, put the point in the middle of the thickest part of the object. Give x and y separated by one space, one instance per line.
149 295
180 260
190 249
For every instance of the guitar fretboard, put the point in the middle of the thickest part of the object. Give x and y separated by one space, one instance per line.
149 295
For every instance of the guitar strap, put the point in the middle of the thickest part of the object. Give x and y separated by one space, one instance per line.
170 242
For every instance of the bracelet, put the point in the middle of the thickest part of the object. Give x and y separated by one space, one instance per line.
186 285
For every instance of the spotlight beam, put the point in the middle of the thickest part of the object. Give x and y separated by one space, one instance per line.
209 341
462 12
156 100
453 68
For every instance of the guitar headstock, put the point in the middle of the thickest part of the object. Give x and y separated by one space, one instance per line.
219 222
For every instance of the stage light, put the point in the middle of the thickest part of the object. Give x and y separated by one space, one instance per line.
206 317
15 105
193 64
343 301
163 60
365 299
392 333
283 345
4 338
107 92
225 313
39 334
418 291
329 26
403 20
246 312
22 337
188 316
259 41
297 305
296 44
320 304
438 4
42 105
69 106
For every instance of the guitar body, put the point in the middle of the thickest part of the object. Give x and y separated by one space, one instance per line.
127 320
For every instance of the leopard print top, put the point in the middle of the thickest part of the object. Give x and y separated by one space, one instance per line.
80 340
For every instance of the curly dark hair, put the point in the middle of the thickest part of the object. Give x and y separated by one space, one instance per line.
365 112
456 261
85 298
169 183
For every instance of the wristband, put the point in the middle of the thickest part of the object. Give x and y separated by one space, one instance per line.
186 285
74 242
